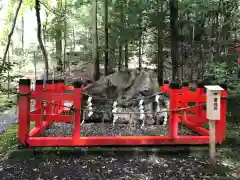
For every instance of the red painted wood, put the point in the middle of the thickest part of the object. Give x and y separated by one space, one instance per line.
117 140
23 109
179 98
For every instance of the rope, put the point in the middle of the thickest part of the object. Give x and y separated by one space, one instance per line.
130 113
110 111
110 99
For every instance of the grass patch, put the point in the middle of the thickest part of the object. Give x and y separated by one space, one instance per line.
8 140
6 103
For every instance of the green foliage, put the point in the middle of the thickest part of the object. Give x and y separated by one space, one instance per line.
219 71
8 140
141 22
224 71
29 3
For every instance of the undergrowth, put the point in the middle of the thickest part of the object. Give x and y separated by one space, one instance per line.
8 140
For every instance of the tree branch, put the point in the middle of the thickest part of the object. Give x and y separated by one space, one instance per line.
10 36
51 10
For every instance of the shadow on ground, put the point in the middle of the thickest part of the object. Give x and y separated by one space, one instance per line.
66 164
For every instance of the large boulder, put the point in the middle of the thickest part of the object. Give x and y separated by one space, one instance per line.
127 88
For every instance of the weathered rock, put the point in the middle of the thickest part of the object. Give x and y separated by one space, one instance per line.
127 88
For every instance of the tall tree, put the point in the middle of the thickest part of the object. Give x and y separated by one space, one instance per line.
65 36
96 73
120 47
58 37
23 33
39 36
106 35
10 37
173 4
126 55
140 42
160 17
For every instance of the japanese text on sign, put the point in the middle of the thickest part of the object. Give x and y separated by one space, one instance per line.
215 105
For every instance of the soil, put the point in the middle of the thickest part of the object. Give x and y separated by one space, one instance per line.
107 166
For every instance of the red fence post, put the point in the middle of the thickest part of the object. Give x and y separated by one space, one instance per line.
221 124
56 90
166 86
173 118
39 88
200 92
49 89
24 110
61 90
185 87
38 105
77 105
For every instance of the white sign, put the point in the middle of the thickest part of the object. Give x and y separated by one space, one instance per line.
213 102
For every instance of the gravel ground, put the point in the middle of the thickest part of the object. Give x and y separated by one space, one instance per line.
97 129
108 166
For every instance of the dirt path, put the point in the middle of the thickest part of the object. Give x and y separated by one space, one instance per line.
108 165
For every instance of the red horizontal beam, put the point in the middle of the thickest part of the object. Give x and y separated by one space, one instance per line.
39 110
116 140
48 96
68 88
192 97
51 118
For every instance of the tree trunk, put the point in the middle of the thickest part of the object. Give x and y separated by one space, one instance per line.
23 33
10 37
140 43
39 36
119 57
126 40
140 53
45 29
65 37
72 49
106 36
58 43
35 65
74 41
113 62
218 30
202 62
96 73
174 36
8 76
126 55
120 60
160 42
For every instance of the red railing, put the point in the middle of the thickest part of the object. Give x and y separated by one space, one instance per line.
193 117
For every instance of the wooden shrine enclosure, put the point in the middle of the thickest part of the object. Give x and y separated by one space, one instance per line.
49 108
